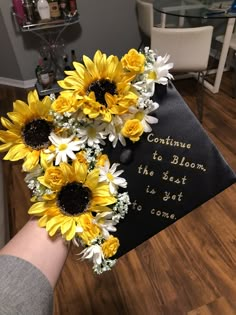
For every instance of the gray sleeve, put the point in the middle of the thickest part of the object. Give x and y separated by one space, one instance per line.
24 289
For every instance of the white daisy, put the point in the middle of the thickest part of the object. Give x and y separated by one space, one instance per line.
105 222
160 70
114 131
111 176
64 147
94 253
92 134
142 114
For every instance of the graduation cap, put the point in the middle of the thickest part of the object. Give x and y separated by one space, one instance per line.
170 172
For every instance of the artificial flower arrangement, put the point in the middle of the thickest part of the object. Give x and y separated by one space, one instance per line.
76 191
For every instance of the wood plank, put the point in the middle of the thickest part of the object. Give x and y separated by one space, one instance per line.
218 307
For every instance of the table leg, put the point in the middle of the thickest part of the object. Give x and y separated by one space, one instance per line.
163 20
214 88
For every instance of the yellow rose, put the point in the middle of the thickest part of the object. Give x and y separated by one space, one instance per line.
102 160
53 178
133 61
110 246
63 104
132 129
90 230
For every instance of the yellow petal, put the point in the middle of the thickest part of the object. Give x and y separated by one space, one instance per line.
6 123
43 221
5 147
79 67
21 107
54 221
32 160
54 224
71 81
90 67
33 97
52 209
45 106
37 208
17 152
80 171
92 179
49 196
102 189
102 201
67 171
62 84
17 118
53 230
35 108
66 225
8 136
71 232
68 228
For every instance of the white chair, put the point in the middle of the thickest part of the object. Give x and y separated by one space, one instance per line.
189 50
232 46
145 21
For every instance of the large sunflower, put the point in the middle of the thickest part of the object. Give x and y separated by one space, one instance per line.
28 131
102 86
75 195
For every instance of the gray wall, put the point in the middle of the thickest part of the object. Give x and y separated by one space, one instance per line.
8 62
108 25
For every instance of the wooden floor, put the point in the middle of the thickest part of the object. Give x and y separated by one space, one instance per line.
187 269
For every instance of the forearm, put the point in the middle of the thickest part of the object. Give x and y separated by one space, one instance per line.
33 244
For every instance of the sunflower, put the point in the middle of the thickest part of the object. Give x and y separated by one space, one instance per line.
76 195
102 86
28 131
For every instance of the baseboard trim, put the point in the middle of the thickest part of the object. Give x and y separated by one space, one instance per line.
18 83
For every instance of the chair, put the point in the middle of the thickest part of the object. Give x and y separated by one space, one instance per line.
189 50
232 46
145 20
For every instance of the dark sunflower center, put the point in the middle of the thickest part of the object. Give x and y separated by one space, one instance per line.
100 88
36 134
74 198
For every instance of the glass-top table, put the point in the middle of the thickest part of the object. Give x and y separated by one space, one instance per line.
201 9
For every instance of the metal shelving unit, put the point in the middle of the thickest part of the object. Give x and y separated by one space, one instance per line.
49 31
49 24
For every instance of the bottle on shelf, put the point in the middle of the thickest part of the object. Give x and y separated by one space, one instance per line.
64 8
46 76
19 11
73 6
36 12
29 11
73 58
54 9
43 9
66 65
38 69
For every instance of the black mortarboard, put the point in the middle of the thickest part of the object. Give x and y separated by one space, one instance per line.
171 171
